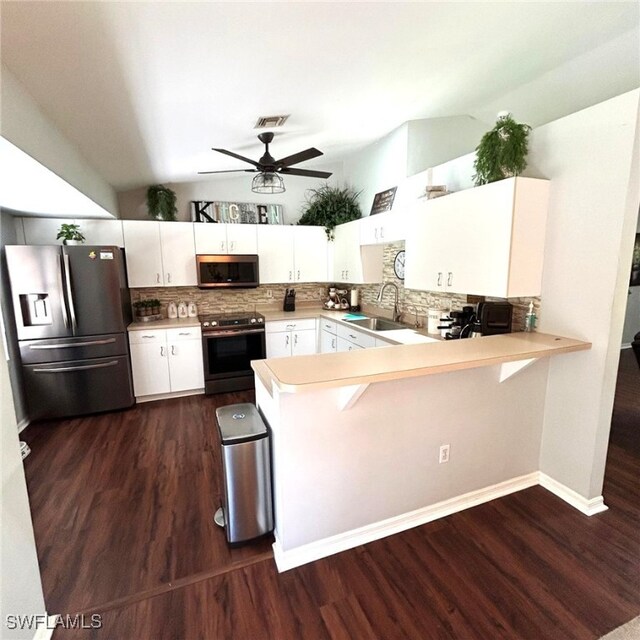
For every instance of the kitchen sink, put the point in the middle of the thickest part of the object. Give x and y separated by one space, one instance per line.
377 324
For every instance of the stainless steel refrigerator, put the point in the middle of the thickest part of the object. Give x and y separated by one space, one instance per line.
72 307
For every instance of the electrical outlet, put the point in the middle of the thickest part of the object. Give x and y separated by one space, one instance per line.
269 293
322 291
444 454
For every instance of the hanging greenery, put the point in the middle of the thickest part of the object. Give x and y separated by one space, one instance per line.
502 152
161 202
329 206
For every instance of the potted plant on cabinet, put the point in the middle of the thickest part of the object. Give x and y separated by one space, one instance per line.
161 203
70 234
329 206
502 152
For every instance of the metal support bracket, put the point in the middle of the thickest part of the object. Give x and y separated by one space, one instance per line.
348 396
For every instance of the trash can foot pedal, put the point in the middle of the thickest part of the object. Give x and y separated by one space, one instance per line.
218 518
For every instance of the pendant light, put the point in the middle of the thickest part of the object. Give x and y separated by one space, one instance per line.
267 183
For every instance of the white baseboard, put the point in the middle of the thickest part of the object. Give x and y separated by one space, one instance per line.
23 424
341 542
626 345
582 504
167 396
46 632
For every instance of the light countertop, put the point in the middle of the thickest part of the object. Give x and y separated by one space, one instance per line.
364 366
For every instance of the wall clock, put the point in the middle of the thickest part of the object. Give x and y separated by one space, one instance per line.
398 265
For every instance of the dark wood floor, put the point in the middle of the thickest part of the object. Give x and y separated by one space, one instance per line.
526 566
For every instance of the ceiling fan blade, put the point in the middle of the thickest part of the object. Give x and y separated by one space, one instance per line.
231 171
239 157
301 156
308 173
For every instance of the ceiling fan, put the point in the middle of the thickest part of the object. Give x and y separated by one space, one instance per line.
268 168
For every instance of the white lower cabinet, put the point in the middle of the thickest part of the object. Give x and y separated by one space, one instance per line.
295 338
346 345
328 342
166 361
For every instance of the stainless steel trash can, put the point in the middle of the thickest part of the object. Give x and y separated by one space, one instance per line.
246 469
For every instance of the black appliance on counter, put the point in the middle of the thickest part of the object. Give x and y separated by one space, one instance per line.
230 341
289 300
72 308
494 318
223 271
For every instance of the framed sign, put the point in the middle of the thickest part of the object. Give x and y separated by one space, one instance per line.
383 201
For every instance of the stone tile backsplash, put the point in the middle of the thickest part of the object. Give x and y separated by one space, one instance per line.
218 301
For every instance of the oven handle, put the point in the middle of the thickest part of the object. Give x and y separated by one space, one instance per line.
226 334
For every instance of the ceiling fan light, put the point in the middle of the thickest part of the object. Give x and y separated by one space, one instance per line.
267 183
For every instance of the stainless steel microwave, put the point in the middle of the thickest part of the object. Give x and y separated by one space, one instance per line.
227 271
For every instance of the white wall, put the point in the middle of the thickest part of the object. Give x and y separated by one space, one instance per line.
20 587
588 158
24 125
379 166
434 141
132 203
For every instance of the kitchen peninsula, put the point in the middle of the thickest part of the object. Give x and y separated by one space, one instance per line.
356 436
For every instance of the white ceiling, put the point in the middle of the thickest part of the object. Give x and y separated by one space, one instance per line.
145 89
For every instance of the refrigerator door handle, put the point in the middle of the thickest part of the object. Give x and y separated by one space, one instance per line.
74 344
67 278
81 367
63 304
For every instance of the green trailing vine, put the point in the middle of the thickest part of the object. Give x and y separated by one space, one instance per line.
502 152
330 206
161 203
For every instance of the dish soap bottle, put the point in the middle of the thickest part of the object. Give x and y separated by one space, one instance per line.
530 319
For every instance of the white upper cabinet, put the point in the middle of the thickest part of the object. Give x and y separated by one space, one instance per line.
159 253
310 254
225 238
390 226
291 253
44 230
351 262
275 253
483 241
178 254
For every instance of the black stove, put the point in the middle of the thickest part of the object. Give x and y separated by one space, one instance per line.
232 319
230 341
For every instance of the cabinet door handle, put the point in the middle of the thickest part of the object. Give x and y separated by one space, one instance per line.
233 245
162 352
298 274
150 337
168 278
290 275
353 337
375 233
450 279
222 245
173 350
333 343
287 341
347 274
439 278
295 339
157 278
382 232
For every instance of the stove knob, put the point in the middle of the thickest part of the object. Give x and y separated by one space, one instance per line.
214 323
205 324
252 321
260 320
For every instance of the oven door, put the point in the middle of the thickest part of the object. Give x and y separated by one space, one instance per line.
228 353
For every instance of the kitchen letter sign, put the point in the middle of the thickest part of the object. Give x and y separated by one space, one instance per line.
383 201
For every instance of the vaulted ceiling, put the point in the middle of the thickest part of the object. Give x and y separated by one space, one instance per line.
145 89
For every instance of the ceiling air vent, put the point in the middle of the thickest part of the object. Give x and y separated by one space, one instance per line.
270 122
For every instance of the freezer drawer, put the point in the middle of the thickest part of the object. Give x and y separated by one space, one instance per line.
77 387
64 349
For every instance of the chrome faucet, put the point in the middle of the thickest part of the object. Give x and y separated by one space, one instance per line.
396 311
